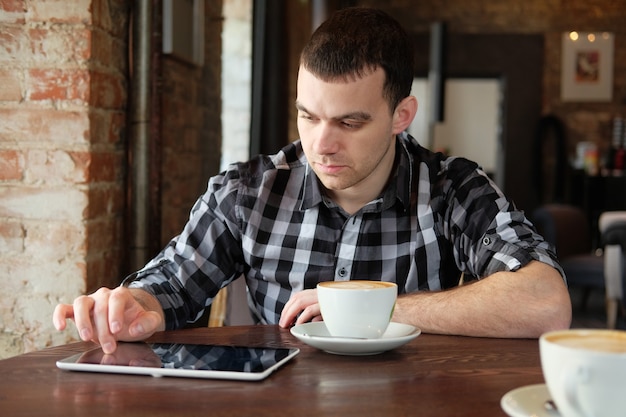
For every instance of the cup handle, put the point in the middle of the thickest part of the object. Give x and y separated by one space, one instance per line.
573 377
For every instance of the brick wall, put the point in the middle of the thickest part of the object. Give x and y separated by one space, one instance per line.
62 114
63 99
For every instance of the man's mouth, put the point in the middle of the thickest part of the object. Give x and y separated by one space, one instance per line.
329 168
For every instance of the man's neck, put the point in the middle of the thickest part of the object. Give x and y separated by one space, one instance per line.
356 197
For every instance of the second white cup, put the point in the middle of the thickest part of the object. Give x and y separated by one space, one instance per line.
585 371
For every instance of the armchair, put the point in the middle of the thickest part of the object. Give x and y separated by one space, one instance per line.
566 227
612 226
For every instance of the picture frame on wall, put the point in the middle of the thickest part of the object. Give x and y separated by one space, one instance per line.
587 66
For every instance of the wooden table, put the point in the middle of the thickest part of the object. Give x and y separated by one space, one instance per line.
430 376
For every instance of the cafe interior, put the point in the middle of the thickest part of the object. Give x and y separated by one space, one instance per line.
185 87
113 115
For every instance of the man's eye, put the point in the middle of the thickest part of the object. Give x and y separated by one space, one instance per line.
350 125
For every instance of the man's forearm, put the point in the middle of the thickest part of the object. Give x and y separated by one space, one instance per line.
521 304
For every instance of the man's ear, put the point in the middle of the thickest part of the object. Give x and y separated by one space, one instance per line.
404 114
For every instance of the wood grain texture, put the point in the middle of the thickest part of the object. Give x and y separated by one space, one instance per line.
430 376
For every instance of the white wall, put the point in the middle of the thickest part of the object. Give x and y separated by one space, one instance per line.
471 126
236 80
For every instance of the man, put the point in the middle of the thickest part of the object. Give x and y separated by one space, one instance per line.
355 198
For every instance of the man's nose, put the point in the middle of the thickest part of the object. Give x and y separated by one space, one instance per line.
326 141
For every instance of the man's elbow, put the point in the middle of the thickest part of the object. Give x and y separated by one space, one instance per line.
558 311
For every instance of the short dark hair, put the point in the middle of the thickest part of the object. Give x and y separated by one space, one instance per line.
354 42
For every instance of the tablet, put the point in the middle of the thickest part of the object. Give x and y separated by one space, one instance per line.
183 360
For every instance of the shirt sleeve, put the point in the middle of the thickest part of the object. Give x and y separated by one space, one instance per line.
187 274
488 232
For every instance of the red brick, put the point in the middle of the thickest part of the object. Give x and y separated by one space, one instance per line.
11 39
54 241
45 203
10 85
107 126
101 234
12 11
12 6
11 165
11 237
105 166
59 44
58 84
78 167
102 51
112 16
103 270
82 162
53 167
58 127
108 90
70 12
105 200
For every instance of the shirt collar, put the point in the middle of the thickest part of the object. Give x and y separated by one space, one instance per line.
312 195
404 175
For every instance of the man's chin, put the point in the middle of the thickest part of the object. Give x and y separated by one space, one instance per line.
332 184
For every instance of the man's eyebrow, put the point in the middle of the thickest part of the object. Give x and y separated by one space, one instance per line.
300 107
357 115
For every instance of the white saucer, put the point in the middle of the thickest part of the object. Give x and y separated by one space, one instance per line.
528 401
315 334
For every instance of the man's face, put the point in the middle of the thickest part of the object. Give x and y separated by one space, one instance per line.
347 132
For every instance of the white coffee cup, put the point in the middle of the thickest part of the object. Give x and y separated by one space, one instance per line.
359 309
585 371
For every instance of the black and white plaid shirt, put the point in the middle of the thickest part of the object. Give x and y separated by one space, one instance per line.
268 220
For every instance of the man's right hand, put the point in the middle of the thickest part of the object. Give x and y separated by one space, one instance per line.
107 316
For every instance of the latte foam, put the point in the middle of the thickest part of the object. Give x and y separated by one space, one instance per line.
356 285
609 341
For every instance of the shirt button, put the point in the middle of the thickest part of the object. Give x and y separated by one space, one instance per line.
343 272
486 241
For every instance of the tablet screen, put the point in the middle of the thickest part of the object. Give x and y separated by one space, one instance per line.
178 359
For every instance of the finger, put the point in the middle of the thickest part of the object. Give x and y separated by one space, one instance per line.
145 325
62 312
101 321
310 314
295 307
290 312
82 317
287 317
120 301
